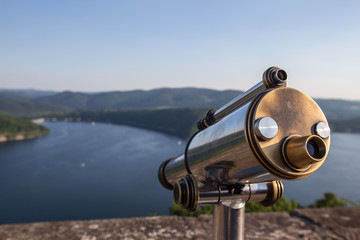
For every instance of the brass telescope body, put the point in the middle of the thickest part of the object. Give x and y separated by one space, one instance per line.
267 135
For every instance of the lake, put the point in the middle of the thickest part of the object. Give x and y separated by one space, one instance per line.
85 171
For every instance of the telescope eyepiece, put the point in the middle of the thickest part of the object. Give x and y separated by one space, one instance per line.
274 77
302 151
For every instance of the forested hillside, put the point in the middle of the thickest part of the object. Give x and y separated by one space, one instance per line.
347 125
28 109
157 98
180 122
35 103
19 129
169 110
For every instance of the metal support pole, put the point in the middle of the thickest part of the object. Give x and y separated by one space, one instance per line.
229 221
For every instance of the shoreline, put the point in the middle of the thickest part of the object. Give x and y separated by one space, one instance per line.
20 137
147 127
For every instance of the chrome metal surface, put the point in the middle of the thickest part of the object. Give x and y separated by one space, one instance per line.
220 222
239 101
258 192
274 193
255 192
229 213
234 194
229 221
322 129
273 77
208 194
174 170
221 153
266 128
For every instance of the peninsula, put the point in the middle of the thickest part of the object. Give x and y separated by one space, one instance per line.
16 129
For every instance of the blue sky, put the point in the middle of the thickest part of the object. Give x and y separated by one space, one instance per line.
123 45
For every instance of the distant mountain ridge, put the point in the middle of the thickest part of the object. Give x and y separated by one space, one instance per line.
161 98
24 93
138 99
28 109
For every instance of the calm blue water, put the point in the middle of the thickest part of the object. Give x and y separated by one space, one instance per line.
80 171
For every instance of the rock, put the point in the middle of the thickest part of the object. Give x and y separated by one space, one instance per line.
324 223
93 226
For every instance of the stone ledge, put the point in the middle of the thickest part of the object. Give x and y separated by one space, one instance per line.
325 223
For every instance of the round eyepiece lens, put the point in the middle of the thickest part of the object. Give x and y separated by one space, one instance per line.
312 149
282 75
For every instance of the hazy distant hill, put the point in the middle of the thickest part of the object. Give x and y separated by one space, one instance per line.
139 99
28 109
177 121
339 109
24 93
177 98
158 98
348 125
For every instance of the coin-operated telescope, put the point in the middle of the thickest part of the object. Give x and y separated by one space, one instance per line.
244 149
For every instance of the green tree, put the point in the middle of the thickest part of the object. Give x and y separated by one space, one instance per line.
10 127
152 214
179 211
329 200
281 205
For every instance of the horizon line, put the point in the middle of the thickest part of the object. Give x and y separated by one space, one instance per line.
148 90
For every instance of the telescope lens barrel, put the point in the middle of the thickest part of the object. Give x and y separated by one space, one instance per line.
271 138
267 134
